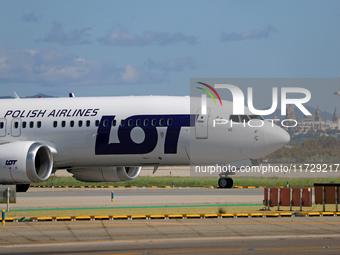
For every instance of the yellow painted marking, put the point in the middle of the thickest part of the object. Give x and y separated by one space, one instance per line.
242 214
120 216
82 217
271 214
175 216
256 214
193 216
210 215
157 216
63 218
327 213
227 215
138 216
310 213
101 217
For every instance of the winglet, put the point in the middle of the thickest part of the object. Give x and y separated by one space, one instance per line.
16 95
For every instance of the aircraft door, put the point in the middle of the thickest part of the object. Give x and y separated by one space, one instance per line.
2 127
201 125
16 127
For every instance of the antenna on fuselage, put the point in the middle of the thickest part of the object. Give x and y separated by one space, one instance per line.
71 95
16 95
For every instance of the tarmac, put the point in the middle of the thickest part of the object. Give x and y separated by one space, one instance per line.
299 235
163 221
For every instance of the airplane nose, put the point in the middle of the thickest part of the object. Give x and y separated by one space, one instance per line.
275 138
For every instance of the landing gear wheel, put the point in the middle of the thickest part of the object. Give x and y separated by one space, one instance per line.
225 183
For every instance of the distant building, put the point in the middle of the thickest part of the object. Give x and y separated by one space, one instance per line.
313 122
317 115
290 113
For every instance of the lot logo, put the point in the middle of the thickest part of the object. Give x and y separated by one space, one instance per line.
11 162
239 102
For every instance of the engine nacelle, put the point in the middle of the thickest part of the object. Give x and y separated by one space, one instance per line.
106 174
25 162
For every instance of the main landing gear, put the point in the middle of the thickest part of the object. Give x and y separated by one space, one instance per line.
225 183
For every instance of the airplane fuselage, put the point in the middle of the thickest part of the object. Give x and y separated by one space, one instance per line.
129 131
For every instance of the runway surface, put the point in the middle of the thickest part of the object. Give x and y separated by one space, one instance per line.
101 197
191 236
294 235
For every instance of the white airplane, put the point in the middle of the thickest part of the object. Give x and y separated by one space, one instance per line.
109 139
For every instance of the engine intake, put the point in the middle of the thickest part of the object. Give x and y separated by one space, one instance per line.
25 162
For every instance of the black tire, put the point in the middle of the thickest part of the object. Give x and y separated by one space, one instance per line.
225 183
230 183
22 187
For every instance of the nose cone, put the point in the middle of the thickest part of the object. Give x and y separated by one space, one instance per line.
275 138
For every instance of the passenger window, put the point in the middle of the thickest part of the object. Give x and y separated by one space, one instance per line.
97 123
114 123
39 124
88 123
55 124
138 123
146 122
31 124
130 123
72 123
161 122
63 123
80 123
122 123
23 124
105 123
169 122
1 125
153 122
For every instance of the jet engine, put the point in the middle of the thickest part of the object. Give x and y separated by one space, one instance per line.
25 162
106 174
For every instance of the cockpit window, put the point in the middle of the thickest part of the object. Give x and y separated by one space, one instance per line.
244 118
255 117
235 118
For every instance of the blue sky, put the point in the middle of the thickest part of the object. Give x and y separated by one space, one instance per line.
100 48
